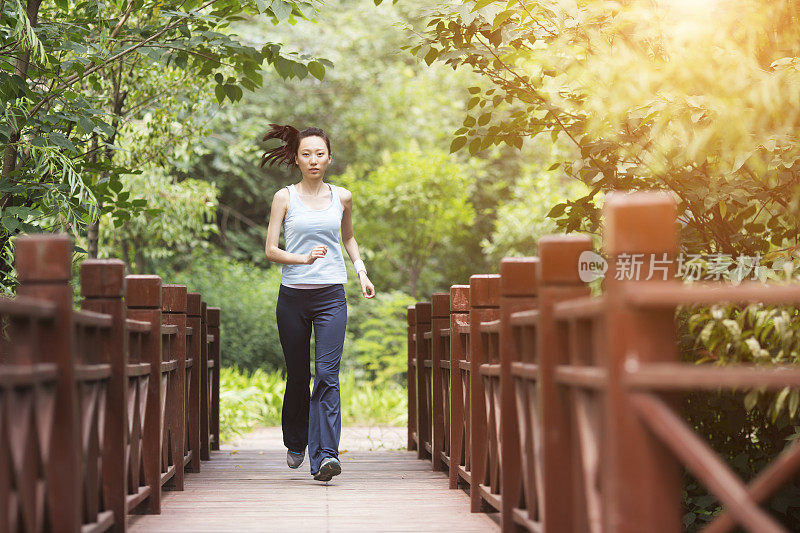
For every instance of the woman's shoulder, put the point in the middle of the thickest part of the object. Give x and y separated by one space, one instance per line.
344 194
282 194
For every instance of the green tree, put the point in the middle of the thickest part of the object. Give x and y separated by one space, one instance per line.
408 211
178 219
377 336
72 72
651 95
522 219
374 101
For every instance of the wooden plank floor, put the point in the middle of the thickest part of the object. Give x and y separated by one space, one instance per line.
254 490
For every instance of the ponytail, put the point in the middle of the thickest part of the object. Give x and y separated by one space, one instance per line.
285 153
291 138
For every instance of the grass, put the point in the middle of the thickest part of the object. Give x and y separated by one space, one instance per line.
251 399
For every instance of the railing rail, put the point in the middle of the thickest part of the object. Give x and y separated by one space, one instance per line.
560 409
99 408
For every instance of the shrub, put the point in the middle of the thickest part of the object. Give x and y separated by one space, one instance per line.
247 295
250 399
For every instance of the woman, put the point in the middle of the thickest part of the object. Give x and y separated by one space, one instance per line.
311 293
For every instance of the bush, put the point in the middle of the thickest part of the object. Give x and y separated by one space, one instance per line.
247 295
376 346
250 399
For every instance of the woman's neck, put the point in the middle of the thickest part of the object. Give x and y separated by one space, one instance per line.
310 186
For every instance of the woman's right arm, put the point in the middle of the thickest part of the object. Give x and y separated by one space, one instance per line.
280 206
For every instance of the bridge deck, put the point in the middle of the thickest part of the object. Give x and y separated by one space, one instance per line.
253 490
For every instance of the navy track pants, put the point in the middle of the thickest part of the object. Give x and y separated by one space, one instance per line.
313 420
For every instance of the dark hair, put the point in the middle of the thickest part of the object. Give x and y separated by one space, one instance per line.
291 137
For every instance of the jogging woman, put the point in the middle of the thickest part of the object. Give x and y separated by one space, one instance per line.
312 293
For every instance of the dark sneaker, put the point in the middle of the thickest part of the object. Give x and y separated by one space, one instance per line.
330 467
295 459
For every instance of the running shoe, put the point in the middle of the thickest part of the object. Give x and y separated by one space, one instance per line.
295 459
330 467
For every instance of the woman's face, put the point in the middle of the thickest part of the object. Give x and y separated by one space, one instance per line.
313 157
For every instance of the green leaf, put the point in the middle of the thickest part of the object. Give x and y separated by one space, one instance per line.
299 70
502 17
474 146
431 56
557 211
317 69
60 140
283 66
86 125
281 9
219 92
10 223
230 91
457 144
480 4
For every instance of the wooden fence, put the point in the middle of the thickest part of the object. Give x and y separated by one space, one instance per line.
100 408
557 409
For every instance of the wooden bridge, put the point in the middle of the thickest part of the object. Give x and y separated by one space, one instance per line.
532 405
556 409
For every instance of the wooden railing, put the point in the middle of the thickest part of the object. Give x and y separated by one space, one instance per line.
99 408
561 406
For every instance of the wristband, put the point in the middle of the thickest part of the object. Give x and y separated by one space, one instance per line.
358 264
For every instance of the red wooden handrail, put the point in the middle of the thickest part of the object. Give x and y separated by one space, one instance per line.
64 365
559 409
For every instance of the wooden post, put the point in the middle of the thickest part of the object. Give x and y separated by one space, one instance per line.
193 308
440 319
640 223
484 299
143 298
173 312
44 268
205 445
215 355
518 288
102 287
423 324
558 281
411 378
459 412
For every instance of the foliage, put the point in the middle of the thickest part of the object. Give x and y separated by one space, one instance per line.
247 297
522 218
414 205
74 76
747 440
371 103
377 337
248 400
709 113
175 225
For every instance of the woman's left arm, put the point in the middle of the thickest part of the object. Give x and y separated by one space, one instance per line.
350 244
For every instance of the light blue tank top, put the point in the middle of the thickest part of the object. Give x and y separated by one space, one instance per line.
304 228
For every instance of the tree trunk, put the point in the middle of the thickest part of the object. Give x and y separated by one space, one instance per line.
413 281
93 235
139 260
21 70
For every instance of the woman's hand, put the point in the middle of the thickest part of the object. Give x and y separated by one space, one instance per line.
317 252
367 288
